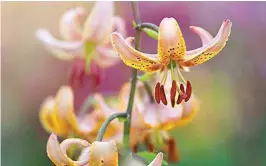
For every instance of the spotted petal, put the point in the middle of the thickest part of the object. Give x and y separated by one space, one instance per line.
99 24
208 51
57 152
171 44
103 153
132 57
65 50
69 24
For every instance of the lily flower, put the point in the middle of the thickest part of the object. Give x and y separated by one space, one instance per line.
150 119
85 37
156 120
95 154
172 55
57 116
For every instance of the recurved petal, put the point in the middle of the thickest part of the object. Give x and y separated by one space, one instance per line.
46 115
171 43
99 24
204 35
57 152
106 57
208 51
69 25
64 50
158 160
119 25
65 106
103 154
132 57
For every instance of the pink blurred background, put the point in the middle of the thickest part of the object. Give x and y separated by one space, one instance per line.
230 128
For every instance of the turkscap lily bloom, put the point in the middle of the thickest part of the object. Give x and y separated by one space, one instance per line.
159 119
85 37
95 154
57 116
150 119
172 54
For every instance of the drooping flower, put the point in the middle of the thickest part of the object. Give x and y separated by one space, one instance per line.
57 116
172 54
85 37
159 119
95 154
152 120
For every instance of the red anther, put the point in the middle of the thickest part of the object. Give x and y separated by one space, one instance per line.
188 91
157 93
135 148
149 145
173 93
182 88
162 95
173 153
179 99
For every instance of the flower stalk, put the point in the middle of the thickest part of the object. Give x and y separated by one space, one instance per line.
107 122
127 123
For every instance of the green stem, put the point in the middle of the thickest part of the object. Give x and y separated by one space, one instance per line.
127 123
148 25
107 122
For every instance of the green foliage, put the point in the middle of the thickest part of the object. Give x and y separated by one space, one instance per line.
148 156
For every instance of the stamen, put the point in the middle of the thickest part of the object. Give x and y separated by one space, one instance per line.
180 75
157 93
135 148
162 95
188 91
173 93
164 76
179 99
150 147
181 95
173 154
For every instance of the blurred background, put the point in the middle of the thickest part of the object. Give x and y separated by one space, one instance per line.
230 128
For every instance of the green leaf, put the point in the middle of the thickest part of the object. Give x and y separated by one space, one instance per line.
148 156
151 33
